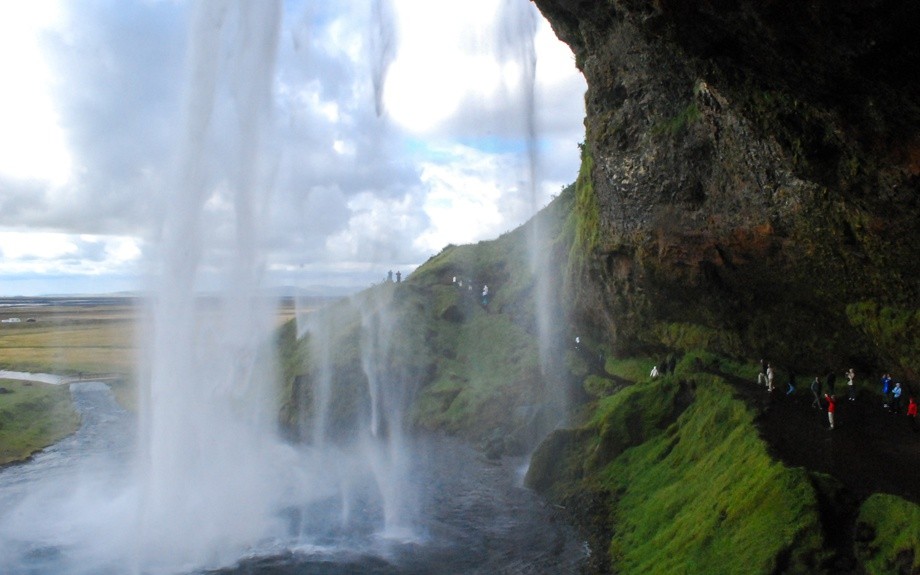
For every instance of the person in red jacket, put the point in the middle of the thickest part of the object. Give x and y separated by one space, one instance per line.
912 413
831 408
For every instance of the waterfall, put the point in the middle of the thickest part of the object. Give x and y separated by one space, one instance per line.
517 33
206 411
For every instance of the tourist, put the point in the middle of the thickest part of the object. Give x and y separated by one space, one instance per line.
896 398
912 413
851 384
762 376
816 391
485 295
770 376
398 276
886 390
654 373
831 408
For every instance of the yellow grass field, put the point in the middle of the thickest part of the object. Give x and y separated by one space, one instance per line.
70 340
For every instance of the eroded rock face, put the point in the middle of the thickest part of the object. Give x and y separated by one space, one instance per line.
756 172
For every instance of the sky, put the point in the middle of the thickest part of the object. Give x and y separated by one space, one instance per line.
392 128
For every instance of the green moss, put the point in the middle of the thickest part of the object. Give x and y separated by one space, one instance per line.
677 479
894 525
32 417
585 218
688 336
706 486
894 331
598 387
683 119
629 368
477 388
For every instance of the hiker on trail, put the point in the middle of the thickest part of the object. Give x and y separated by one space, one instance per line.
762 376
831 380
654 374
851 384
790 384
485 295
896 398
398 276
886 390
816 391
912 413
831 408
770 375
390 277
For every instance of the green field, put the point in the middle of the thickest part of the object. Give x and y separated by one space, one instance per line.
33 416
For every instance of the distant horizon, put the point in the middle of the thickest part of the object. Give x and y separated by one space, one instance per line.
319 291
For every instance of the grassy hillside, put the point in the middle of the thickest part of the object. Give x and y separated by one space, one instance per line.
464 366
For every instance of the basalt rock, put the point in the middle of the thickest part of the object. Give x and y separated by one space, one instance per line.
753 169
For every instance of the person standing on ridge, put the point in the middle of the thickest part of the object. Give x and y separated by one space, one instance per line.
912 414
485 295
770 376
831 408
851 384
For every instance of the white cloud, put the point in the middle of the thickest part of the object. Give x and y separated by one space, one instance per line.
36 253
32 141
351 191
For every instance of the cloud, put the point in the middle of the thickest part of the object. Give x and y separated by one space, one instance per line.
348 191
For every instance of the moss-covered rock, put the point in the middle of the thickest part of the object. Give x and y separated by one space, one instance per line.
750 169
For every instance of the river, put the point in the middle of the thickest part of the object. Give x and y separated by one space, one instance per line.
60 514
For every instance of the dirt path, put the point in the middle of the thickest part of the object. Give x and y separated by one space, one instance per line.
870 450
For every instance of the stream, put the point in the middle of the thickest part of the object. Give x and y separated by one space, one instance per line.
62 513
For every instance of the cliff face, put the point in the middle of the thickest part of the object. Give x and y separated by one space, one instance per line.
752 175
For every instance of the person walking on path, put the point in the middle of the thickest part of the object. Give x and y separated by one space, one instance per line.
831 408
912 414
762 376
770 376
886 390
816 391
851 384
896 398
